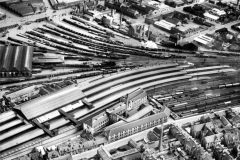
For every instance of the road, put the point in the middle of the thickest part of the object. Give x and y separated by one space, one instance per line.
141 135
13 18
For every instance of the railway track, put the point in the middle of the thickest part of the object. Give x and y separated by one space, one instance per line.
129 80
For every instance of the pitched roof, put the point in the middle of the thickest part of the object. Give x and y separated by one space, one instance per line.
135 116
210 139
48 103
135 93
136 123
173 20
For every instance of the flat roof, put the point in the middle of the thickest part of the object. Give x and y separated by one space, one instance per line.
51 102
208 15
165 24
203 39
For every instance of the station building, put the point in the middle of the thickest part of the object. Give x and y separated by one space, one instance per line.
96 123
116 111
134 100
136 126
129 105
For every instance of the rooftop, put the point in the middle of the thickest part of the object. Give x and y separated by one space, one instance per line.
126 153
51 102
208 15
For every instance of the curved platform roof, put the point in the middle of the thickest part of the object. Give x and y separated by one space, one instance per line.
48 103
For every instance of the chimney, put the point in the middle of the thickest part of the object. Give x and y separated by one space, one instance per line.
160 139
237 4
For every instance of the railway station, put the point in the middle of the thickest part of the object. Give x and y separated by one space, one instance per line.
119 79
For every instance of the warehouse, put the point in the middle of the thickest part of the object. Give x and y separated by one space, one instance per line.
16 61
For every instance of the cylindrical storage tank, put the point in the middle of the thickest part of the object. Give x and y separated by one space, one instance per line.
7 58
27 58
17 57
2 48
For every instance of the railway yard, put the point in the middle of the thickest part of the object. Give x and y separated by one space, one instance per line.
102 80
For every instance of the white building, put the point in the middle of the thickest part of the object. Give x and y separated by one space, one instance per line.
210 17
204 40
199 1
218 12
164 24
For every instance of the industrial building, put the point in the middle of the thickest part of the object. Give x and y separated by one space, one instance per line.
16 61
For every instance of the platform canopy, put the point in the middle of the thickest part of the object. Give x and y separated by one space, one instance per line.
51 102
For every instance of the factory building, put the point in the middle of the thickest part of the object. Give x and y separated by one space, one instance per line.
16 61
136 126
